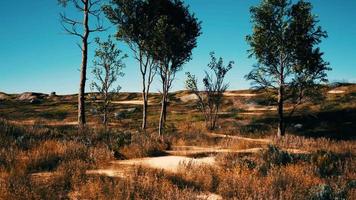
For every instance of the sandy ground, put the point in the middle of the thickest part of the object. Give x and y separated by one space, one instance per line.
241 138
336 92
188 97
167 163
194 150
231 94
46 123
251 113
131 102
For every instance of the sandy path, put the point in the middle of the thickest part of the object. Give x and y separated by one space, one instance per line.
240 138
194 150
167 163
46 123
231 94
336 92
131 102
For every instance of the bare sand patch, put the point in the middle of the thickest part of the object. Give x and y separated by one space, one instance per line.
193 150
45 123
188 97
336 92
209 196
231 94
108 172
261 108
251 113
129 102
241 138
168 163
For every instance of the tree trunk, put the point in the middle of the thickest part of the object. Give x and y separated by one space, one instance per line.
144 110
281 124
162 119
81 95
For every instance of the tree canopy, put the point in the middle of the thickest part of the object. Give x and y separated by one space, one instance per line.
285 43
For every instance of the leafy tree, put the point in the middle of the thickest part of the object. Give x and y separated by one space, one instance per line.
284 42
108 65
210 99
175 36
135 20
90 9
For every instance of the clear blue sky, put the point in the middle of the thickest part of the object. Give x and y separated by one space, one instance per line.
35 54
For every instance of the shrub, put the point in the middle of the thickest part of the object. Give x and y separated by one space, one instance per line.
328 163
273 156
142 145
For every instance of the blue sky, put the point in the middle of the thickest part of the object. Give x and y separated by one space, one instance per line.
36 55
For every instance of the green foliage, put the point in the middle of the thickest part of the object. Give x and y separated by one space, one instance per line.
210 99
108 65
285 43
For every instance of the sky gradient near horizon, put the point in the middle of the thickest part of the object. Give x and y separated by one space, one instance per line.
36 55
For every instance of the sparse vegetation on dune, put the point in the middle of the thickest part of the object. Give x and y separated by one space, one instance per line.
292 137
42 162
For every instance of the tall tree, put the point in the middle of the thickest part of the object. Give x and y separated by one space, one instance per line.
135 20
90 9
210 99
284 42
108 65
176 32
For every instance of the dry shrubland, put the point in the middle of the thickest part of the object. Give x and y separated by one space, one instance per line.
41 162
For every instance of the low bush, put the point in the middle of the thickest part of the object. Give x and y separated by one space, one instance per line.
328 163
140 145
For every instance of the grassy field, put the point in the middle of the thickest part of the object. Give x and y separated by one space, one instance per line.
43 156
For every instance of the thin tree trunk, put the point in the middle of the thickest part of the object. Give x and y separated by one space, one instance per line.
144 110
81 96
281 124
162 119
163 115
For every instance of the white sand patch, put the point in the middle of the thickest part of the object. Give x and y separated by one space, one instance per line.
336 92
251 113
168 163
261 108
231 94
188 97
46 123
209 196
130 102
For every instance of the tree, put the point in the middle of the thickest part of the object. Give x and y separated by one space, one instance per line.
90 9
175 36
108 65
210 99
135 20
284 42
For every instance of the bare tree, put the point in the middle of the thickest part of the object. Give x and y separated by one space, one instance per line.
210 99
90 9
107 69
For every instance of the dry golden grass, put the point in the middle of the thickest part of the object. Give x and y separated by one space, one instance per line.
314 144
